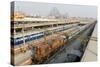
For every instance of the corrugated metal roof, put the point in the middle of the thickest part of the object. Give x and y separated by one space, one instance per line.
35 19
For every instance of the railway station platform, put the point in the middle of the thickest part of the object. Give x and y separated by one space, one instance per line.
90 53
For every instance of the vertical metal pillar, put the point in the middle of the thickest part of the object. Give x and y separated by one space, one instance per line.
23 33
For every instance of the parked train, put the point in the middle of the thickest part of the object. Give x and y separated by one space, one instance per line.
45 49
68 35
19 49
20 40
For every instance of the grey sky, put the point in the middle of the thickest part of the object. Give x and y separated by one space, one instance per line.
45 8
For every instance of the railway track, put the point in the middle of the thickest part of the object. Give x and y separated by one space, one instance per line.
63 48
86 32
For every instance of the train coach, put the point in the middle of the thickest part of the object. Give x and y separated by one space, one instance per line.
20 40
56 44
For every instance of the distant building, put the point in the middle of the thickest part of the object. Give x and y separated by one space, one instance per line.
17 15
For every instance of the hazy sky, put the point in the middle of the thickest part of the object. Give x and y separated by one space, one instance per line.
45 8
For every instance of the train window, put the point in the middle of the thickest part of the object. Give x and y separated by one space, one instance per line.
19 22
33 22
18 37
18 29
26 22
